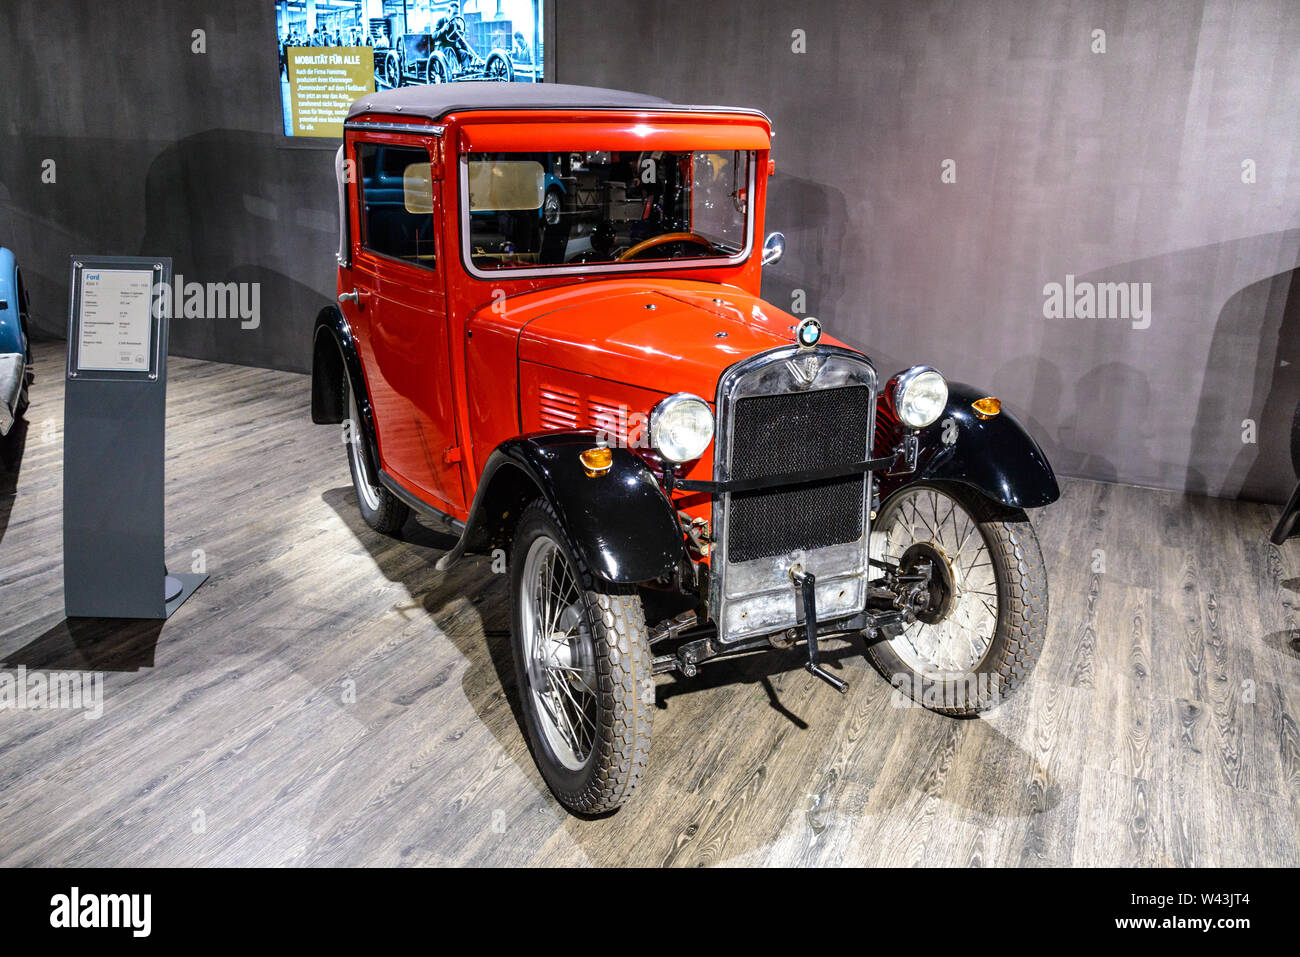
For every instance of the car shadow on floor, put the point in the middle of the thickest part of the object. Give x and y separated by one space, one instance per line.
759 668
1286 642
486 621
469 604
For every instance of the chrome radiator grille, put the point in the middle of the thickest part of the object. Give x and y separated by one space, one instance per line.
780 412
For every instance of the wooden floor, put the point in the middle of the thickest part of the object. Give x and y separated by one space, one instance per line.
1159 728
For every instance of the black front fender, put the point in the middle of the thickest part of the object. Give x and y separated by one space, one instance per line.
996 456
621 523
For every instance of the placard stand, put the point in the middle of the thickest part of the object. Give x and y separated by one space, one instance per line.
114 418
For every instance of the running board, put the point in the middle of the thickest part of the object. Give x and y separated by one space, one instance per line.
417 504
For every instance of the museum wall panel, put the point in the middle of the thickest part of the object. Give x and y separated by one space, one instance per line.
957 182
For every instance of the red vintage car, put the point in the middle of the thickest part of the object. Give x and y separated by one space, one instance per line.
676 469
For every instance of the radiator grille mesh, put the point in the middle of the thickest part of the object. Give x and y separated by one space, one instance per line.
792 432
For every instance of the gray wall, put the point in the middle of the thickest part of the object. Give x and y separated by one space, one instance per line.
1123 166
163 152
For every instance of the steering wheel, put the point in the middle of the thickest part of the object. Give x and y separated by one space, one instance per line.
663 239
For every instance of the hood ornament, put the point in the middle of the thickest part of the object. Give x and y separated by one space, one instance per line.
808 333
804 369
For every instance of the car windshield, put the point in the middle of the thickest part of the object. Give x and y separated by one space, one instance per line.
590 207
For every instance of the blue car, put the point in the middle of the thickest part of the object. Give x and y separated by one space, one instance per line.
15 350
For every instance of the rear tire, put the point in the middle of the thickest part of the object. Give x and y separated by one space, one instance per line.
381 509
991 637
583 667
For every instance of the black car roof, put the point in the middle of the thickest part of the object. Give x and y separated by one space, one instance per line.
437 100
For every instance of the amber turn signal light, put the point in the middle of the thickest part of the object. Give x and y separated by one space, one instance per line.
987 407
596 461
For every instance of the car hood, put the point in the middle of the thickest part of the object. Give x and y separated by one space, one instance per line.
665 335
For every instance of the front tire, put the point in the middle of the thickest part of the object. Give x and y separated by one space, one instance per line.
983 631
582 662
499 68
381 509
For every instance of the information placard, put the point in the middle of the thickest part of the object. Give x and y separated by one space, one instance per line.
114 441
116 311
322 85
117 317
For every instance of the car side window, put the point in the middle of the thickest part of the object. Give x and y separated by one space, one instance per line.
397 202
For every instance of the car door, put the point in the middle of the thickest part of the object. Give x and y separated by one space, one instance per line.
401 304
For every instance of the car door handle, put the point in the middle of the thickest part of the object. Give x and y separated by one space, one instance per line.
353 297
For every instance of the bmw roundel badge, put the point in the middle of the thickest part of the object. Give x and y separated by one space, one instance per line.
808 333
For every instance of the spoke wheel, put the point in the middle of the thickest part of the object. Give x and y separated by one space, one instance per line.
498 68
926 525
978 617
583 667
367 489
380 508
560 657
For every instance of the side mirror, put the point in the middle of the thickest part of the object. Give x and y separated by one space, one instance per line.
773 248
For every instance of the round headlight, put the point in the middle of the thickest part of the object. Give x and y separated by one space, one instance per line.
681 427
920 396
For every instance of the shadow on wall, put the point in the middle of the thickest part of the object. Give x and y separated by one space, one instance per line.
820 248
1134 415
1088 413
1160 399
1258 327
47 222
231 206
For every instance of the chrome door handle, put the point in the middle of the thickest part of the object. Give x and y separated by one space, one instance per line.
353 297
